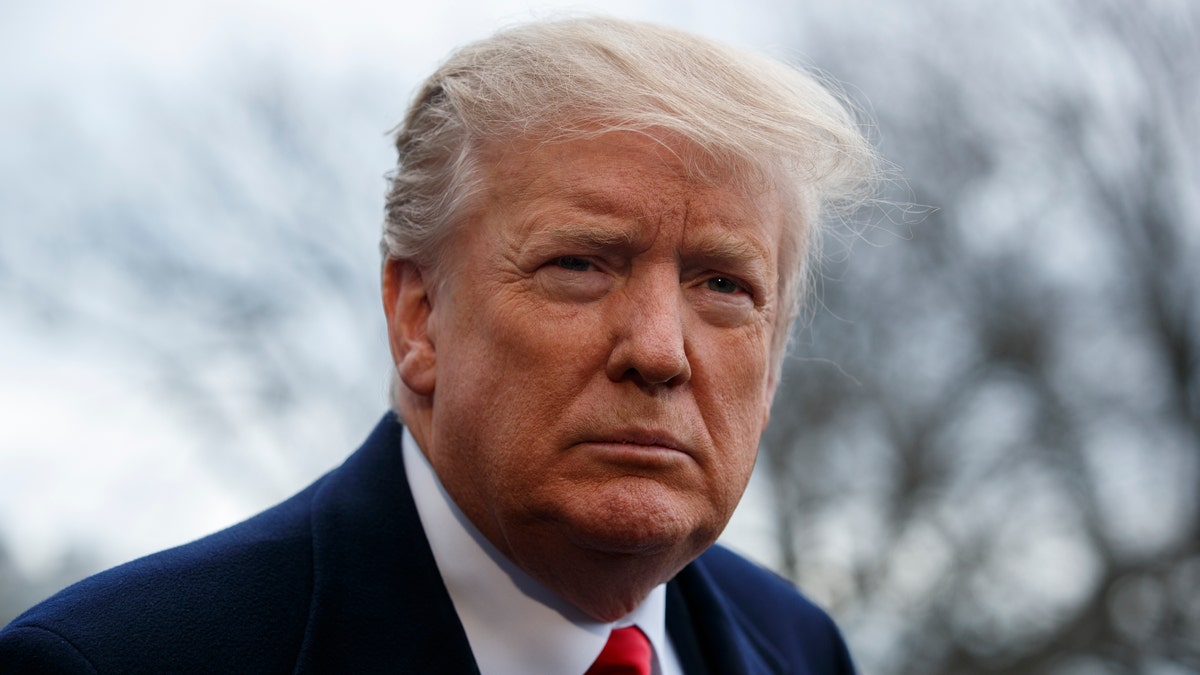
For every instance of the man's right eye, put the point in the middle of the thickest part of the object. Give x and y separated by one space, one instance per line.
574 264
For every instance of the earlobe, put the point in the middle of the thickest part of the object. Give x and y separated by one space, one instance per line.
408 307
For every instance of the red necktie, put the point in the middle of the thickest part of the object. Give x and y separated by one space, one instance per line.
628 652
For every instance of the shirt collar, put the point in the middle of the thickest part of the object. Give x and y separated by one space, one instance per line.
488 591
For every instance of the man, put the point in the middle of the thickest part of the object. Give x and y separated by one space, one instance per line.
593 251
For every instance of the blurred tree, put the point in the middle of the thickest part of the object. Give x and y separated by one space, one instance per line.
987 454
221 246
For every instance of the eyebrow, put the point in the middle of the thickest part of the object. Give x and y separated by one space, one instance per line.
719 245
727 246
589 237
573 226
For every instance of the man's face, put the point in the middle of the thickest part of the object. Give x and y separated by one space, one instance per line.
602 339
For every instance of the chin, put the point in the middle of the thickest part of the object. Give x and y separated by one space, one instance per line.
639 522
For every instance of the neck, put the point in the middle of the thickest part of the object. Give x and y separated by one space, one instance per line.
606 587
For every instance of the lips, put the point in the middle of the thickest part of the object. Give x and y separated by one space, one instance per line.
649 439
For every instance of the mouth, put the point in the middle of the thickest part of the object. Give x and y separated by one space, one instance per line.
640 445
649 438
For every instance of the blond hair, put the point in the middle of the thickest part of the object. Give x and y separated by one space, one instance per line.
578 78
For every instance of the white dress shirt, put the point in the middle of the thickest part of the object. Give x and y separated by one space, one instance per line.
514 624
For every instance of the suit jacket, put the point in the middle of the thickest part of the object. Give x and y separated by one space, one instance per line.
340 579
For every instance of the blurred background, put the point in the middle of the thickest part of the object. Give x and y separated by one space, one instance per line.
985 457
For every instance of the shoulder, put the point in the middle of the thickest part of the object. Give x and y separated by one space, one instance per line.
756 591
242 593
773 612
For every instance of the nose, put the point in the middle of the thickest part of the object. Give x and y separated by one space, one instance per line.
650 343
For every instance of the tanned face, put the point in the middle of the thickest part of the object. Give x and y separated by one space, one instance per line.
593 364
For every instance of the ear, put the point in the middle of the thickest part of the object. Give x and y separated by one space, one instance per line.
769 396
408 307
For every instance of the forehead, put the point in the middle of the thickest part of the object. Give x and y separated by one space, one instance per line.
633 178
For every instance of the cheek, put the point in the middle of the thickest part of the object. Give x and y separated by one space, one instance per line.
518 366
735 401
550 349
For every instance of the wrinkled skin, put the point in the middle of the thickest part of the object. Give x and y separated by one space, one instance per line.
591 370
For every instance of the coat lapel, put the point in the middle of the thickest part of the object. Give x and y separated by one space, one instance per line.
378 604
706 633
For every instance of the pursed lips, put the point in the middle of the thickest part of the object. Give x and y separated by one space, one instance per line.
641 440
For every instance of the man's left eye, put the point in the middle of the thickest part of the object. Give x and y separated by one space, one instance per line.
723 285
